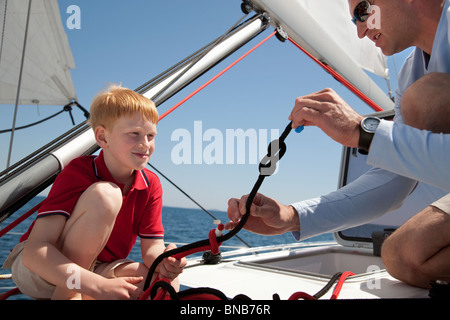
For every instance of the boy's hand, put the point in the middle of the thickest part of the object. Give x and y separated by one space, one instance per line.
122 288
170 267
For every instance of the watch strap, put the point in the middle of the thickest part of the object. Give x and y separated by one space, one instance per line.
365 139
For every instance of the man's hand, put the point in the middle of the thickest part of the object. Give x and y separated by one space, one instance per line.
267 216
328 111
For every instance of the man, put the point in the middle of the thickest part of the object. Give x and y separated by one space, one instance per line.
415 147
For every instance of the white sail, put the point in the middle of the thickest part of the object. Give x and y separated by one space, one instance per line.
324 29
46 78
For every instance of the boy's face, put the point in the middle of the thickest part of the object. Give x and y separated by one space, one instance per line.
129 144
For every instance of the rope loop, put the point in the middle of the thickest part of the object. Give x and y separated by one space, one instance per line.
268 164
275 151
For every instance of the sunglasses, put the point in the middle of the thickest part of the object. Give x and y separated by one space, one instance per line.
361 12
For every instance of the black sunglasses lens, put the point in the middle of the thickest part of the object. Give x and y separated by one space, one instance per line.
361 12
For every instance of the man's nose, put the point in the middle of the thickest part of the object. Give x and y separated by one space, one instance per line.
361 29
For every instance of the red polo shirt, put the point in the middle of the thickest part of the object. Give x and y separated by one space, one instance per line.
140 214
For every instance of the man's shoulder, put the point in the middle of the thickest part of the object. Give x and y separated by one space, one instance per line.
412 69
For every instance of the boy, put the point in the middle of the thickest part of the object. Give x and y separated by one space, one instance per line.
96 208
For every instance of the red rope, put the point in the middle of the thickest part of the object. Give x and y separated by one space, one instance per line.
215 77
340 283
19 220
213 246
301 295
341 79
10 293
335 294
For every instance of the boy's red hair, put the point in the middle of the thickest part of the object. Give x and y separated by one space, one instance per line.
117 102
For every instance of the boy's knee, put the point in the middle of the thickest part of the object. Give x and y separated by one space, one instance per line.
426 103
105 197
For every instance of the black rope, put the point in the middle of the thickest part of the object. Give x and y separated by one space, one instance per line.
328 286
214 294
67 107
162 284
276 151
34 123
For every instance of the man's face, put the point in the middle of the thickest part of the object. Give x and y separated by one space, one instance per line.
387 26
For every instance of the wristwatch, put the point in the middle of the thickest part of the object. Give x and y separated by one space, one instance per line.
367 129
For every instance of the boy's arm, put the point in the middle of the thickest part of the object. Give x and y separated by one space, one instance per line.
42 256
151 249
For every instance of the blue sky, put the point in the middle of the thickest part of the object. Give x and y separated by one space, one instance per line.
129 42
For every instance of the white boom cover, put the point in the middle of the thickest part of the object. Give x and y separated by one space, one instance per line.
46 76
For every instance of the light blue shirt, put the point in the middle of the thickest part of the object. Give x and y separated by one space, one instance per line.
401 155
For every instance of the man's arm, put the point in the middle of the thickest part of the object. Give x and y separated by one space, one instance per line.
413 153
370 196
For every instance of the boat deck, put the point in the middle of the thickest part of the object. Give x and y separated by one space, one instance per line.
285 272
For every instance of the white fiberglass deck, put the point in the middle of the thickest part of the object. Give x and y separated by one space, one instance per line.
285 272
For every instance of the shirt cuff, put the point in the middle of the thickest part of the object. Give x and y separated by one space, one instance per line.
304 209
378 145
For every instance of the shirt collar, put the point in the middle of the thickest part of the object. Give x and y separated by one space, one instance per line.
101 171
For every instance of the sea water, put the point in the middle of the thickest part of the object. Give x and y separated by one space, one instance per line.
181 226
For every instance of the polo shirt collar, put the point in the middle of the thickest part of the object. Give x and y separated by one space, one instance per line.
101 171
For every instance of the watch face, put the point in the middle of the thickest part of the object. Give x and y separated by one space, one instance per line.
370 124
